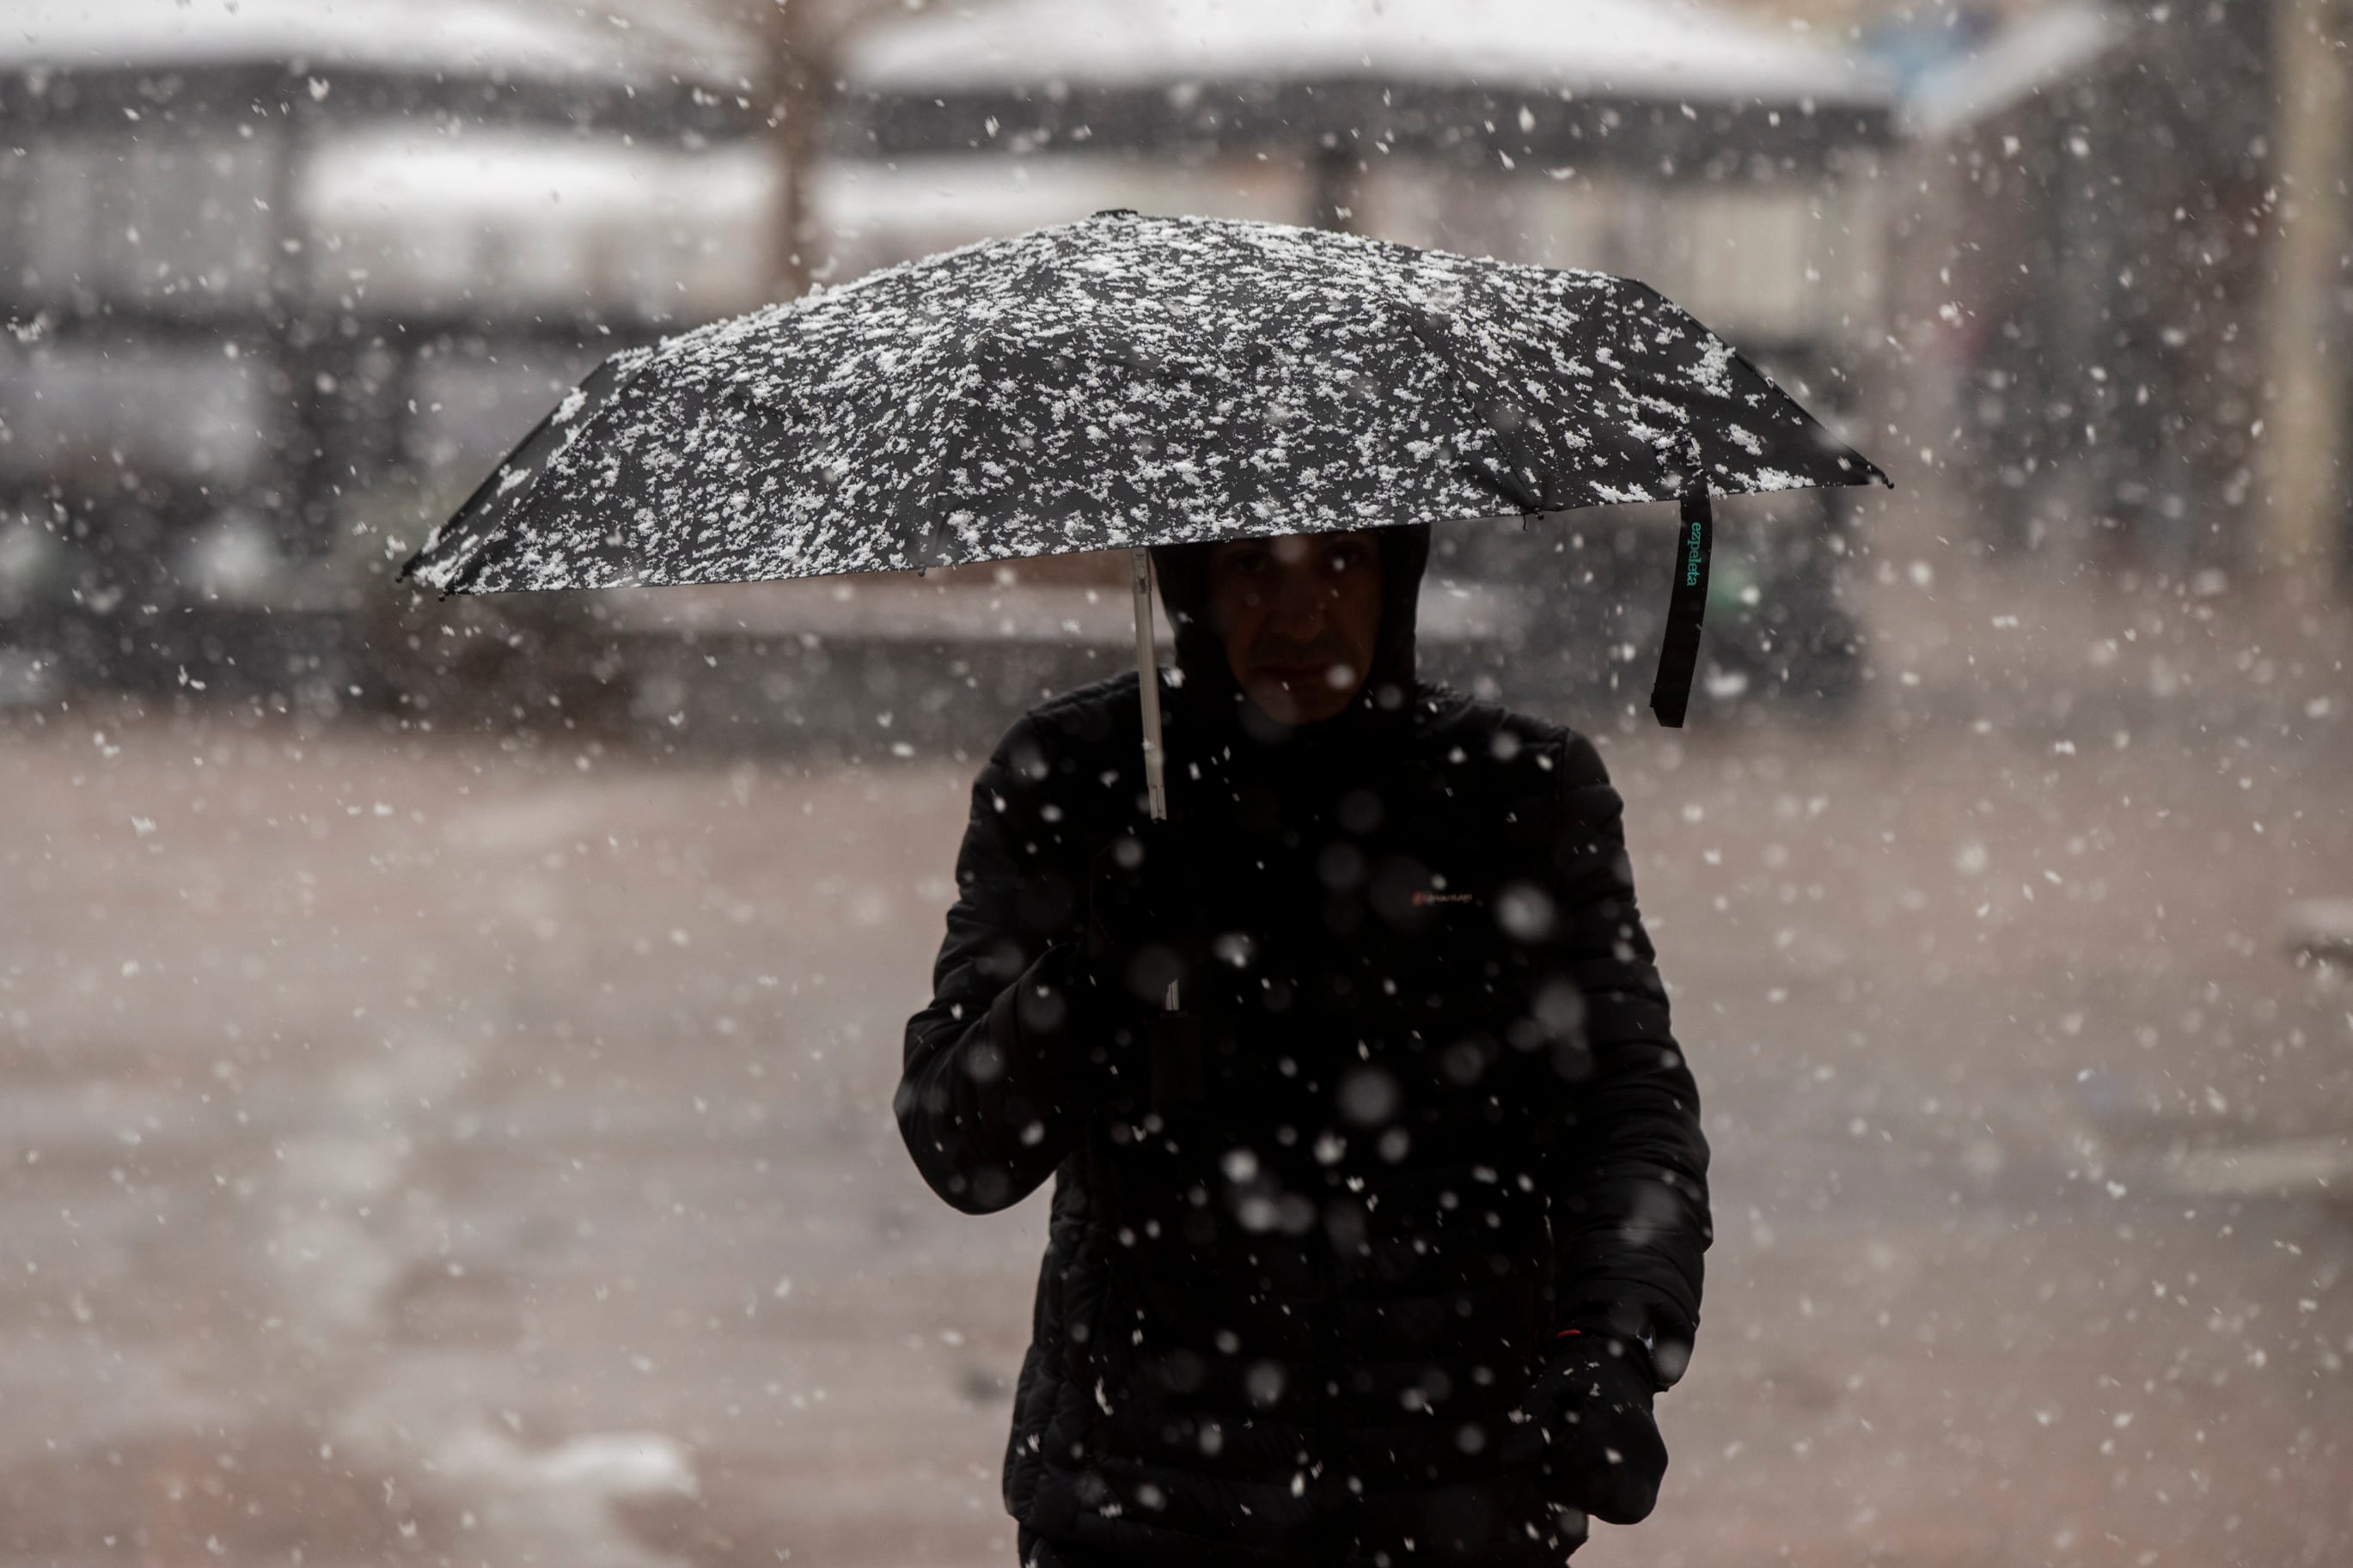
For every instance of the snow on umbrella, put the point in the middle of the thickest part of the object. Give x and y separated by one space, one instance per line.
1129 381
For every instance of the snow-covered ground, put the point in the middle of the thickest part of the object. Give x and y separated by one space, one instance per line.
424 1148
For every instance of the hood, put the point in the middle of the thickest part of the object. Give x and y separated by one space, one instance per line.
1209 709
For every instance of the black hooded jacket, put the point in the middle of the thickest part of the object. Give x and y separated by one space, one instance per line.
1304 1263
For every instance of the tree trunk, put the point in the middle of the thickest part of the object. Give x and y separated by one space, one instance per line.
2308 411
801 81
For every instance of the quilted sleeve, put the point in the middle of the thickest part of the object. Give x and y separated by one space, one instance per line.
1003 1064
1629 1192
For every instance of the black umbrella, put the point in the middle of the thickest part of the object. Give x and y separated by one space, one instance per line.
1130 381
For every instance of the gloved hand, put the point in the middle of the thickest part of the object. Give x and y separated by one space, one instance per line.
1603 1453
1141 932
1056 1030
1084 1026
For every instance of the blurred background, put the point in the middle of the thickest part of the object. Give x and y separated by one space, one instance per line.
448 1045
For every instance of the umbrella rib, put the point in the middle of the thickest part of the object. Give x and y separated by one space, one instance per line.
1521 480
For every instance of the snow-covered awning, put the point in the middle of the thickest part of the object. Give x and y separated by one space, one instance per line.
494 40
644 66
1668 50
1667 86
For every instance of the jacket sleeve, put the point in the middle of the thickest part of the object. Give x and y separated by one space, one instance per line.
1629 1201
999 1072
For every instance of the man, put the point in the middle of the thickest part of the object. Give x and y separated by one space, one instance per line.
1374 1249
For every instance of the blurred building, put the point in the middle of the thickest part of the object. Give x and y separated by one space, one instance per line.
284 280
2087 281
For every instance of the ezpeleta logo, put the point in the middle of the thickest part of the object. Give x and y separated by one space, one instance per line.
1423 896
1690 563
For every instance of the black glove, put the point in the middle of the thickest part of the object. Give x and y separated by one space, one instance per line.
1603 1453
1142 935
1084 1026
1056 1031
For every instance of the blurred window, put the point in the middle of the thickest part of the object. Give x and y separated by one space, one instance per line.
1753 261
879 214
1748 259
173 410
138 218
501 223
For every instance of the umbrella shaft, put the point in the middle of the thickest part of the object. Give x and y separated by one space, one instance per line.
1147 672
1147 669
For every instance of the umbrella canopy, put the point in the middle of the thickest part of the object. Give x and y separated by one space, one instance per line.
1129 381
1124 381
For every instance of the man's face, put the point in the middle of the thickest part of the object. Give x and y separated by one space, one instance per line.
1298 617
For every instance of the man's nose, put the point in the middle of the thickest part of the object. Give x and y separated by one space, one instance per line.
1301 600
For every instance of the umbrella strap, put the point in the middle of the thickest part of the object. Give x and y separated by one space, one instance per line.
1678 652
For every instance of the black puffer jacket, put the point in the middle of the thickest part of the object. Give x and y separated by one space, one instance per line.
1303 1269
